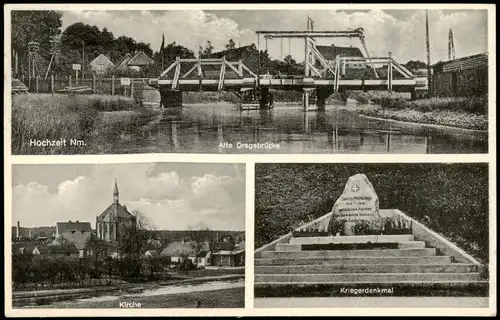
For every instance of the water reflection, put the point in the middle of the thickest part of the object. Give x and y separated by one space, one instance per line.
202 128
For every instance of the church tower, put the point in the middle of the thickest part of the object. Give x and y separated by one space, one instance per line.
115 193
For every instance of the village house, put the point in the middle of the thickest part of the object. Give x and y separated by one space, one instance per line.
76 233
179 250
247 54
101 64
330 54
152 254
122 65
139 61
225 254
466 76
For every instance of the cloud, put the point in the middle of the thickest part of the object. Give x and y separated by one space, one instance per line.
402 33
166 199
189 28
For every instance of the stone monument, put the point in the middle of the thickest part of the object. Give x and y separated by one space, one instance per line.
356 208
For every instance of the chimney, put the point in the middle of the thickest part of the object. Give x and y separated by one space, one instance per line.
18 230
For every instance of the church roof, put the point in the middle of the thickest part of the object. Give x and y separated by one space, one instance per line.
117 211
69 227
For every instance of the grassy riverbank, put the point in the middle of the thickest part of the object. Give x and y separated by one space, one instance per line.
459 112
66 117
454 196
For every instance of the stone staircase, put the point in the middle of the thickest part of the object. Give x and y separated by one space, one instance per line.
399 261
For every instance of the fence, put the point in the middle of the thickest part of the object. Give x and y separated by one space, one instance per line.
95 85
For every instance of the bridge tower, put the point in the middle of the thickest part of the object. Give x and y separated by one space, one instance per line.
325 69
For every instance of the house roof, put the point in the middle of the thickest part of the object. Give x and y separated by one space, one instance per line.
331 52
152 254
70 248
124 61
174 249
232 54
117 211
102 59
69 227
470 62
140 59
222 246
203 253
241 245
79 239
151 246
19 248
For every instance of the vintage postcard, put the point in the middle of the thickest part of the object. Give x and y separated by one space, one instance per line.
247 160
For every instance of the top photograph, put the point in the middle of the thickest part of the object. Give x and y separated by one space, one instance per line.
248 81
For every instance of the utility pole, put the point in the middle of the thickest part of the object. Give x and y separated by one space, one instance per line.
429 84
83 60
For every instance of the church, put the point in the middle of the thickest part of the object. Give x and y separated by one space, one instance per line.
115 222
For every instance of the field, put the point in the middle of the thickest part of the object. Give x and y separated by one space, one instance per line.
43 116
454 196
460 112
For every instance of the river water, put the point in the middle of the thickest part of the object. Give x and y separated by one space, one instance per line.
223 128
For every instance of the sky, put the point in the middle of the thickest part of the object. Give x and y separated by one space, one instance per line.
172 196
401 32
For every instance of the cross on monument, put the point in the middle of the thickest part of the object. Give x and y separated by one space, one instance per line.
355 188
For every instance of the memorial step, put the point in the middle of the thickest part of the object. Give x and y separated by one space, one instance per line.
350 246
349 253
353 260
367 268
352 239
366 277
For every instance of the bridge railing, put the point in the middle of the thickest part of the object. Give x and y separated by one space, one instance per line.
175 69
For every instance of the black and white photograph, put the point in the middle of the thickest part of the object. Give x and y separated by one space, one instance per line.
370 235
249 81
139 235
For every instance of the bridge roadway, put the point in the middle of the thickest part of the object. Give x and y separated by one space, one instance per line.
203 84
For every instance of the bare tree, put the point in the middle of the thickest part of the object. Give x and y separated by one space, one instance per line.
197 239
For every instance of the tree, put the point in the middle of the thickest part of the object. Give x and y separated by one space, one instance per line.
231 45
289 60
197 239
34 26
98 250
208 48
414 65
